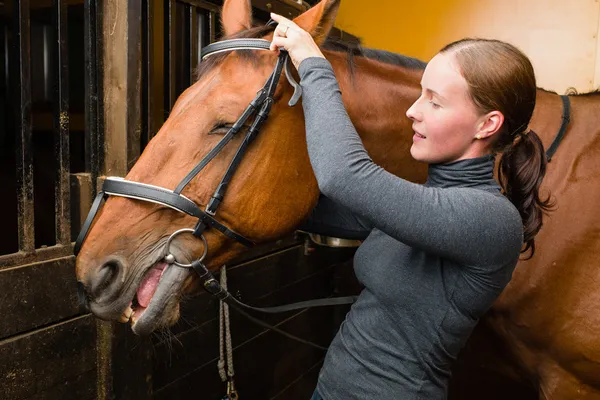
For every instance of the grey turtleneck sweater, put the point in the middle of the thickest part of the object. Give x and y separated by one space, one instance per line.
435 258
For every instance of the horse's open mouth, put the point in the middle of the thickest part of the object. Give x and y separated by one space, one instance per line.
156 300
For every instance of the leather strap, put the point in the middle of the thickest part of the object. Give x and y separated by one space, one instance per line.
141 191
85 229
211 285
566 118
258 100
234 44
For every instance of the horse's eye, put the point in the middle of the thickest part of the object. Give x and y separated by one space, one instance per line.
220 128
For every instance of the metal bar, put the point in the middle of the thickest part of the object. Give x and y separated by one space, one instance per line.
203 39
193 41
170 54
212 26
158 112
134 81
148 124
93 63
22 63
61 124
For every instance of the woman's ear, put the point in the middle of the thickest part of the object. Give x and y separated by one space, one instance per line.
490 124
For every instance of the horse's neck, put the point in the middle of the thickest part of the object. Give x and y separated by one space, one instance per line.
377 98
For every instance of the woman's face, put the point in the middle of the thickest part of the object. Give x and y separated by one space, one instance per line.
445 120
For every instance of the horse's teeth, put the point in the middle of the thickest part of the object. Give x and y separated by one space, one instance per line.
126 315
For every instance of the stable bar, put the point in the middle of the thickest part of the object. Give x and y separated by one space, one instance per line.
170 54
134 81
148 124
93 63
24 148
193 41
61 123
212 26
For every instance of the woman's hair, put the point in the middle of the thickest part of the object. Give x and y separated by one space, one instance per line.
501 78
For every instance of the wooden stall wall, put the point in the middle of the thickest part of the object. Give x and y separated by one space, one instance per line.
560 37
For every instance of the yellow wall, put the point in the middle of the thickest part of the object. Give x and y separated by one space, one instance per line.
560 36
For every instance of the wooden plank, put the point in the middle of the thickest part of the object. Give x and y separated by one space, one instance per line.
36 295
22 70
114 35
254 280
81 196
80 387
104 348
596 83
131 364
303 387
61 124
282 361
174 361
41 360
121 85
264 249
39 255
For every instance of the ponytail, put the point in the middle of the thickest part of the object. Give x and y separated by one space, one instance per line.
521 170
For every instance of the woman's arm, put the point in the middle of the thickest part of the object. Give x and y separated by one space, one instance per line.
332 219
466 225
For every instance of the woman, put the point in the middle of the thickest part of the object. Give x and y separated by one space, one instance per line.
437 255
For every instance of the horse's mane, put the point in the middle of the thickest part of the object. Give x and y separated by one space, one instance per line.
352 50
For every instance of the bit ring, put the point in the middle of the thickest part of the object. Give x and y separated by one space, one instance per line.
170 258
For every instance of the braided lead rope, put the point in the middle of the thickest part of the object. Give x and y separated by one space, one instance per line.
225 344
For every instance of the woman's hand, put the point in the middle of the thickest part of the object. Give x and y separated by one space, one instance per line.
298 43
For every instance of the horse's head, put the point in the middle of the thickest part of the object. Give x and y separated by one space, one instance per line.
272 191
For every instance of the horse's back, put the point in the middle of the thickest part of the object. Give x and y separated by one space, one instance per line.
554 298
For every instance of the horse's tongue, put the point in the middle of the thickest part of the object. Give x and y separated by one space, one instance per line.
149 285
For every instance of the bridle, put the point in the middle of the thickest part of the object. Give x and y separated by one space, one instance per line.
261 106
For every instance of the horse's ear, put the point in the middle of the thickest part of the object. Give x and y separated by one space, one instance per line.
319 20
236 16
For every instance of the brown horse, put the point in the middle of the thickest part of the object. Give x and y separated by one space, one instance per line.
548 316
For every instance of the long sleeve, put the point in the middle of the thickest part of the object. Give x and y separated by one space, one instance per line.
466 225
332 219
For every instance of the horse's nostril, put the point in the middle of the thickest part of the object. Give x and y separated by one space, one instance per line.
105 277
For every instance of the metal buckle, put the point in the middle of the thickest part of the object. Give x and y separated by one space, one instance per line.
170 258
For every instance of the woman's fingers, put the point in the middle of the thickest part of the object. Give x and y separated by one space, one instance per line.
289 36
281 19
280 42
